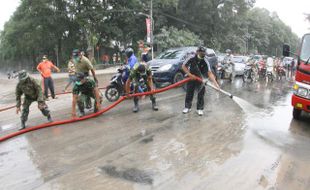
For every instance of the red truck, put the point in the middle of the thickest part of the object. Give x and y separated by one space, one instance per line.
301 96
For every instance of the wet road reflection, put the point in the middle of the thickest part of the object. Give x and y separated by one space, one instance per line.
255 146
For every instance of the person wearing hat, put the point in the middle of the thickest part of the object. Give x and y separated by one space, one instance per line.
83 89
141 71
45 68
197 66
83 65
32 91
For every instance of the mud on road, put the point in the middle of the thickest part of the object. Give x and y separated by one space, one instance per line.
227 148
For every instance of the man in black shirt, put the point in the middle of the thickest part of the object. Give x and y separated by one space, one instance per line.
197 67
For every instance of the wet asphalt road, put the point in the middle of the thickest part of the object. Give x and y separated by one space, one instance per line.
254 145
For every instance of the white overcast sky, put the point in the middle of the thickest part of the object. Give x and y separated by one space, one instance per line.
291 12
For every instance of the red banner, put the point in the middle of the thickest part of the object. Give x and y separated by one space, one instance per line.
148 30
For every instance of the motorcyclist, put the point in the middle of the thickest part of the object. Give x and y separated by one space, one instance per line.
141 71
270 66
228 64
131 61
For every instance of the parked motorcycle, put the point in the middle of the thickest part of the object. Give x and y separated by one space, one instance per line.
116 88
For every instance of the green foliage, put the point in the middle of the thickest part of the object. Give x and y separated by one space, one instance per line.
172 37
55 27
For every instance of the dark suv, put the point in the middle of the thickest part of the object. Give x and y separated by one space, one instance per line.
167 67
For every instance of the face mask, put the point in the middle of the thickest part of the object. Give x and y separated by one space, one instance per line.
78 82
76 59
199 57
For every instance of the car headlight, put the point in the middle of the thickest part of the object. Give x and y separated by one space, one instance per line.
165 68
300 91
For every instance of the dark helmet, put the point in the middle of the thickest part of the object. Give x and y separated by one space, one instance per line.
80 76
228 51
201 49
22 75
129 52
142 69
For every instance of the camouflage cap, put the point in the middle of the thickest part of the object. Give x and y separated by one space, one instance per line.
22 75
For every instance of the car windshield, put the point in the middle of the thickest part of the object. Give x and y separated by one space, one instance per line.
305 49
237 59
171 54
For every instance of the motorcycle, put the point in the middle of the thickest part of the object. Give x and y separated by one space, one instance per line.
261 70
225 71
249 73
116 88
269 74
280 72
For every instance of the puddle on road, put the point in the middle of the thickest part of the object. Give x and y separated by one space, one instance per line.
17 167
129 174
7 127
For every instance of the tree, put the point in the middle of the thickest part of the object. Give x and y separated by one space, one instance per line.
172 37
55 27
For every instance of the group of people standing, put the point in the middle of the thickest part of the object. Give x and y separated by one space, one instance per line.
85 88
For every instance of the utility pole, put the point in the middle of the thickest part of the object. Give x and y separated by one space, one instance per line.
152 28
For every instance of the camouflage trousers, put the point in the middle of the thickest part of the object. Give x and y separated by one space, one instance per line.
85 100
26 104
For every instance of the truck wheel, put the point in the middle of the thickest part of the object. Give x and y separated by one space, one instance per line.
296 113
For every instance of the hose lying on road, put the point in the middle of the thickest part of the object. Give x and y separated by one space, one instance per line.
61 93
45 125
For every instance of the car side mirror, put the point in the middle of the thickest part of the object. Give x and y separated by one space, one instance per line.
286 50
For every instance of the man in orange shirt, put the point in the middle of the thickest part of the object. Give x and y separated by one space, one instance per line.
45 68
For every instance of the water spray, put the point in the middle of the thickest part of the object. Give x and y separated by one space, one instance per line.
207 82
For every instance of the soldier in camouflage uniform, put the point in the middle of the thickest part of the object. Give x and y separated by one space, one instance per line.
138 72
83 89
32 92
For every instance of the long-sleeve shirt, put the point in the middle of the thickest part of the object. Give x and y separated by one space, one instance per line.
31 89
